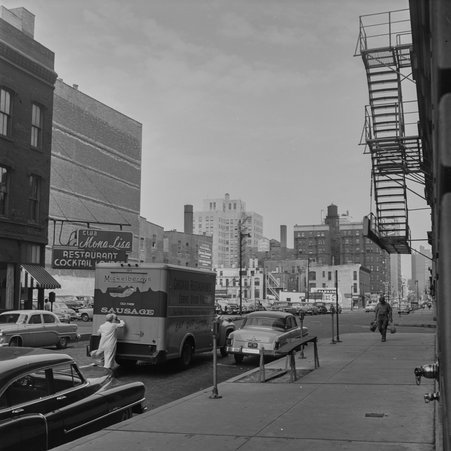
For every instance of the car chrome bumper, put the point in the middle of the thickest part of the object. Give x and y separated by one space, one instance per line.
250 351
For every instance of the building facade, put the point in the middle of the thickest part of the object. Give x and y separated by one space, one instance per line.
420 266
187 249
27 80
227 222
341 241
95 188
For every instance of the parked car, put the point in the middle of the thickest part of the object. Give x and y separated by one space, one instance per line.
35 328
322 308
46 399
370 307
71 302
64 313
86 314
267 330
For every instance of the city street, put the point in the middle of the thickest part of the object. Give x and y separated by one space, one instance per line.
167 383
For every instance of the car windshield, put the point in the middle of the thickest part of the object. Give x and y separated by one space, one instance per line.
13 318
266 322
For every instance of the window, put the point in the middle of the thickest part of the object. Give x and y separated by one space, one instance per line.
3 190
355 275
5 112
48 319
33 200
36 126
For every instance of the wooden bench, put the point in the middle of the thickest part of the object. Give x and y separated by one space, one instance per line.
289 350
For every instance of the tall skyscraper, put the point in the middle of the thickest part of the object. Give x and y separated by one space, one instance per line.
227 221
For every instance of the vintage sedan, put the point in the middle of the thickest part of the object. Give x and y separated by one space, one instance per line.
47 400
86 313
264 331
35 328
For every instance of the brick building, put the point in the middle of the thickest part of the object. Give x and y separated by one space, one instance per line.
95 182
27 79
341 241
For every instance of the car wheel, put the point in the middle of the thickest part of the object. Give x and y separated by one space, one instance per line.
238 358
85 317
187 355
62 343
15 341
126 414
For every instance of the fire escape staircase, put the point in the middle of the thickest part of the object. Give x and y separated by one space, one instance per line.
393 154
272 286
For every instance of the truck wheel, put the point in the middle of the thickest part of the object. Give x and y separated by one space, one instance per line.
238 358
223 349
128 363
187 355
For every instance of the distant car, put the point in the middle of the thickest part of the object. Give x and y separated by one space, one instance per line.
64 313
370 307
47 400
35 328
322 308
311 309
86 314
267 330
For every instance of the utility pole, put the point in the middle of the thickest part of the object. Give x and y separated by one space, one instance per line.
241 235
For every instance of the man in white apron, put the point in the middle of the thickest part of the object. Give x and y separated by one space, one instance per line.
108 340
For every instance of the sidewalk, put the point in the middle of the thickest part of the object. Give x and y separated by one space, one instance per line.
362 397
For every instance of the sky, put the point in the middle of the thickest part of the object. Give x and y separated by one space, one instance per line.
261 99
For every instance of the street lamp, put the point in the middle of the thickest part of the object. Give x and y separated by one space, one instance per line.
241 235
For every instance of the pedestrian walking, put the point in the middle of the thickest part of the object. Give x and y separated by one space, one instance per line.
383 316
108 340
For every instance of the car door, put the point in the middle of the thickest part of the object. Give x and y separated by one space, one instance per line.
78 406
34 332
51 327
24 406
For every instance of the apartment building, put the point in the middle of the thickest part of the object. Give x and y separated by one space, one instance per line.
234 230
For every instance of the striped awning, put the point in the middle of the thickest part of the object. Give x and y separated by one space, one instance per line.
42 278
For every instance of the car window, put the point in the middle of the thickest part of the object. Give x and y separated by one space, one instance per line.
66 376
9 318
26 389
291 323
278 324
49 319
35 319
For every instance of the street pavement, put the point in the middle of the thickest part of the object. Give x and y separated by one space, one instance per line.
362 397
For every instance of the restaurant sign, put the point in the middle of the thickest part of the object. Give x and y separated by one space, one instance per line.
73 258
91 247
104 240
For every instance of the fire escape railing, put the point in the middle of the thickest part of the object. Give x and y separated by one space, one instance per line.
390 130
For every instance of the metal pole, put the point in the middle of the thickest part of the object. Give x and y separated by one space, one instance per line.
214 392
240 237
333 332
336 304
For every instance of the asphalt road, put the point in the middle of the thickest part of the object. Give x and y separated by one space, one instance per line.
168 383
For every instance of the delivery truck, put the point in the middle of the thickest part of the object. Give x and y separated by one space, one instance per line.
168 310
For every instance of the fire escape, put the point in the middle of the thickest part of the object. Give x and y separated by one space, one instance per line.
390 132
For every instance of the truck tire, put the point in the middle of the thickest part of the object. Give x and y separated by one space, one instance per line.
127 363
187 355
223 349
